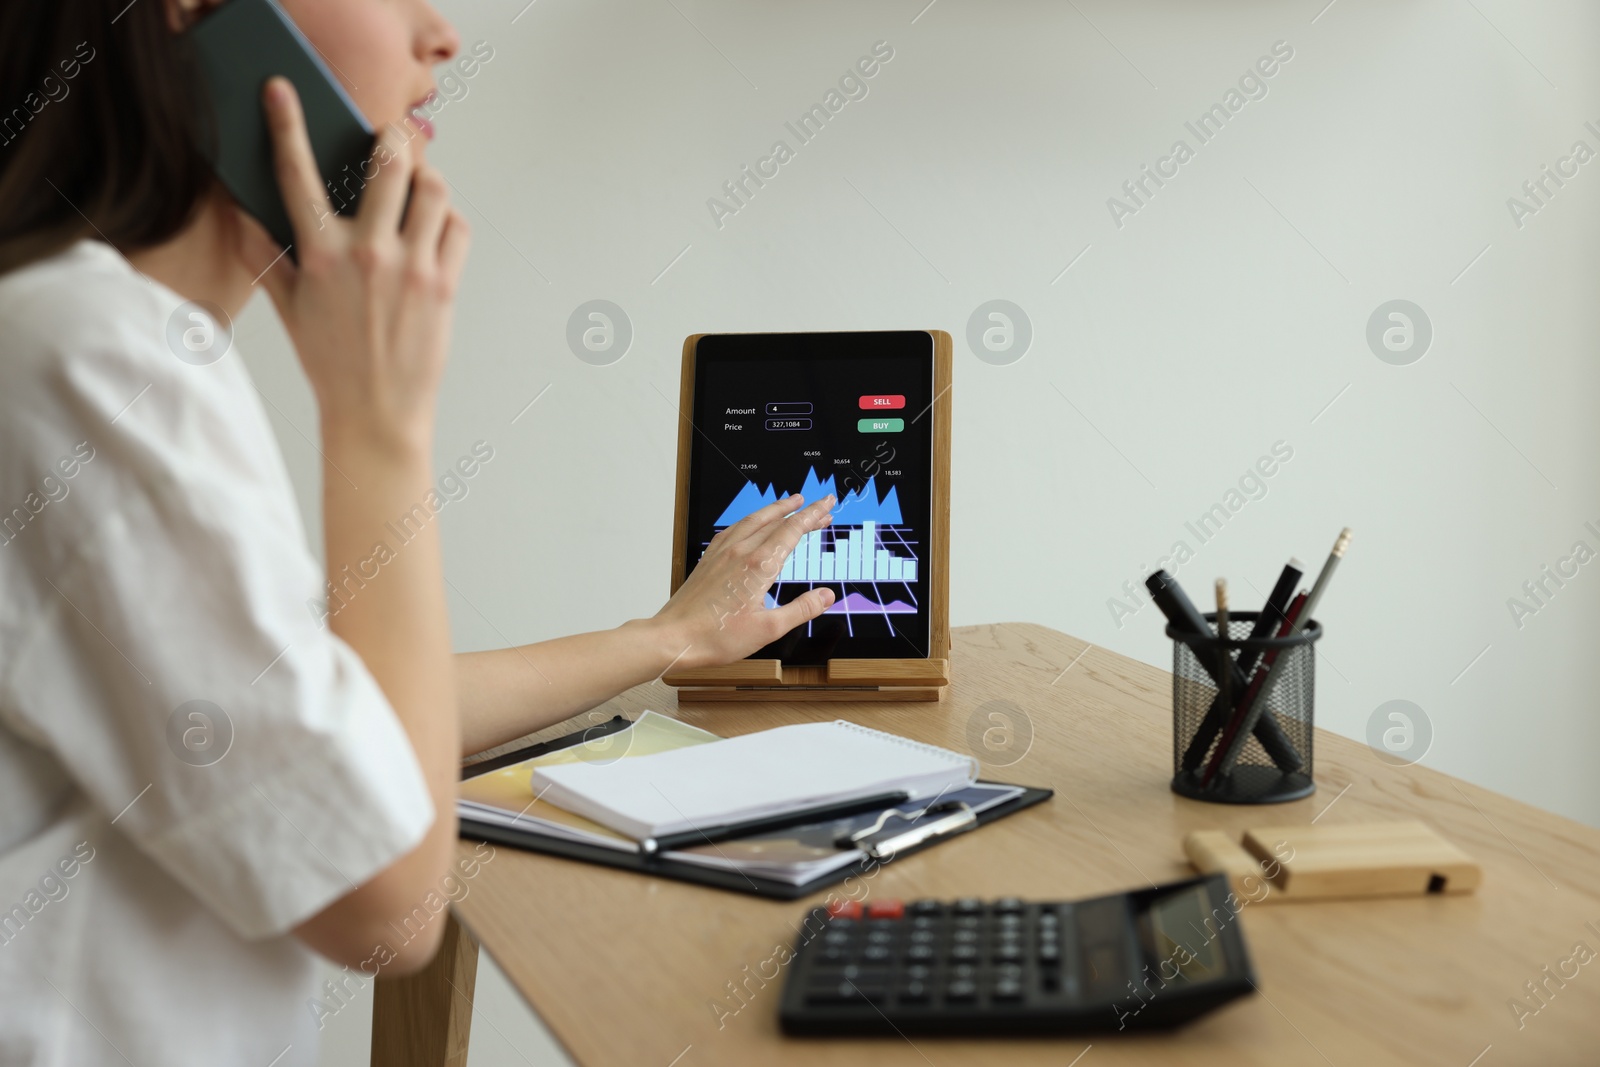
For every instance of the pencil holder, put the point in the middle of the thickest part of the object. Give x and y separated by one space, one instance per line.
1272 764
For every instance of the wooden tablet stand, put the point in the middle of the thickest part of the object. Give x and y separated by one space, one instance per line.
838 679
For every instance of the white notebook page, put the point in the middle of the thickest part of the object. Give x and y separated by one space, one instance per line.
751 777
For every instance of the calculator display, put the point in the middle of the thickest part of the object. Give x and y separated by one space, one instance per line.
1183 934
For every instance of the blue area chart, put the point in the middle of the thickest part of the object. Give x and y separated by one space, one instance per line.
866 545
854 508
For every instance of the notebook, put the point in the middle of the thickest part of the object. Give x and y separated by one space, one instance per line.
504 797
760 775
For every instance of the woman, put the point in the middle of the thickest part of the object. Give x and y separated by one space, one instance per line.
201 783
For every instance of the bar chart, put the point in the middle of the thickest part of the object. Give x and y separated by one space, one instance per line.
854 555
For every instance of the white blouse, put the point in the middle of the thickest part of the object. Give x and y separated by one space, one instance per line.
191 763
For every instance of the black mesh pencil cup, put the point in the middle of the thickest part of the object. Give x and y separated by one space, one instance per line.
1222 750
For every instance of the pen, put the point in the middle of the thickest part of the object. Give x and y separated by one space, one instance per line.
1237 717
710 835
1271 616
1275 610
1181 612
1224 657
1254 707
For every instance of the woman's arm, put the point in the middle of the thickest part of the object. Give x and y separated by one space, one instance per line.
505 693
718 615
368 307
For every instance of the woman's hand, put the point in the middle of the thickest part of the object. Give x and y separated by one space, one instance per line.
369 305
719 614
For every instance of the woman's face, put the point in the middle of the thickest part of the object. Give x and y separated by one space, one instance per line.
382 51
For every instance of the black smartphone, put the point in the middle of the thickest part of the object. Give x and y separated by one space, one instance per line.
238 47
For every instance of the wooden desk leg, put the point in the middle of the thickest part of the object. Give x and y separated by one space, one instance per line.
425 1019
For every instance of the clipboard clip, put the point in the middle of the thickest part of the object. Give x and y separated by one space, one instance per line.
957 817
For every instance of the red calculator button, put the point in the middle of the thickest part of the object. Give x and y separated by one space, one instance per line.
885 909
845 909
882 402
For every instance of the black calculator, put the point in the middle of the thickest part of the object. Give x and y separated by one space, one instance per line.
1149 959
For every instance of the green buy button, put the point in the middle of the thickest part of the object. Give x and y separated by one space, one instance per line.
881 425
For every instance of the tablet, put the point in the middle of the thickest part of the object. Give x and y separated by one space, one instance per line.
851 414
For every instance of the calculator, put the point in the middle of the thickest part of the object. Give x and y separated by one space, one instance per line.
1149 959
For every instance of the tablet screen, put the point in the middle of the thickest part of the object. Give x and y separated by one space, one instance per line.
846 413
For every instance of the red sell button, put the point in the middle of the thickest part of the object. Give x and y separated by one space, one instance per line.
882 403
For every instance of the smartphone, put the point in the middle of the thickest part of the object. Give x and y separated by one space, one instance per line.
238 47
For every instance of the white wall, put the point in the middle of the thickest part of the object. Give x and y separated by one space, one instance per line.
1223 317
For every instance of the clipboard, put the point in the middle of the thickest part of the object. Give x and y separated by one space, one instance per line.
916 837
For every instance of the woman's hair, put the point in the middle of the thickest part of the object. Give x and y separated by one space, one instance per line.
102 130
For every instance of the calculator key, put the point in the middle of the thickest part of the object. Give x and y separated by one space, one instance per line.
885 909
1070 951
834 953
963 952
964 936
920 952
969 906
923 937
1049 952
915 991
846 991
877 935
1069 981
845 909
1008 953
873 994
927 907
1007 989
852 972
966 972
961 989
1008 905
831 993
918 972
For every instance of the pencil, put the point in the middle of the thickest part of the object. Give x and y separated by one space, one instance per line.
1228 755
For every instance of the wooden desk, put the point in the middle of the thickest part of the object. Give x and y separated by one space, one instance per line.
628 970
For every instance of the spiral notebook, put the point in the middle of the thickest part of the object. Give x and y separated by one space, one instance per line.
756 776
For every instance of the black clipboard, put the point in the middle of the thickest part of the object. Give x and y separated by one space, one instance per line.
736 881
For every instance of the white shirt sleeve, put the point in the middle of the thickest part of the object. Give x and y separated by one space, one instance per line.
168 651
